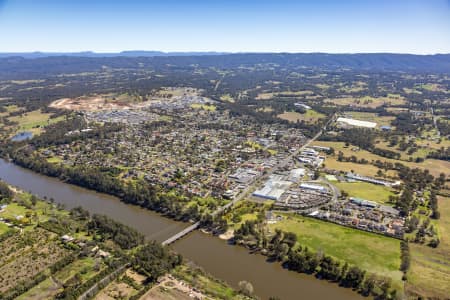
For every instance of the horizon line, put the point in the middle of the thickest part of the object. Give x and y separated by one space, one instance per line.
215 52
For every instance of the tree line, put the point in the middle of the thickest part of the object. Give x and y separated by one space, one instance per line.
283 247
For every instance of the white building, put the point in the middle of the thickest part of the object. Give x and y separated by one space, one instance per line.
356 123
314 187
273 188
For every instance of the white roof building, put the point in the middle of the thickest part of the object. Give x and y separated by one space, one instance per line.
273 188
357 123
314 187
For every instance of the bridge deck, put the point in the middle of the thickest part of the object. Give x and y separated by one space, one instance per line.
181 234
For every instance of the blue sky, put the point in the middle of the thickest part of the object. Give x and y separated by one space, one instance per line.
340 26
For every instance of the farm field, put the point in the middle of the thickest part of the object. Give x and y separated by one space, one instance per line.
310 116
371 252
430 267
125 286
49 288
23 256
365 190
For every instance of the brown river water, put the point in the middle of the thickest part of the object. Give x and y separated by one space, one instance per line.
229 263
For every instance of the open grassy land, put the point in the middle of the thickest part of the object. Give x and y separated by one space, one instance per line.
367 170
432 87
430 267
310 116
268 95
197 278
367 101
365 190
435 166
54 160
425 147
3 228
204 106
331 161
34 121
266 109
9 109
41 212
371 117
49 288
124 287
411 91
84 269
355 87
421 152
227 98
371 252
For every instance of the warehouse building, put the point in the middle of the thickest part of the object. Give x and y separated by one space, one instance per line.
355 123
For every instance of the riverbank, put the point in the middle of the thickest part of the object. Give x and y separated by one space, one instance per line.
229 263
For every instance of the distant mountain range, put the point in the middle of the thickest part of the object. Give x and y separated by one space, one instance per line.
134 53
21 65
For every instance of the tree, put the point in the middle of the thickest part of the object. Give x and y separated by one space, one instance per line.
154 260
33 200
368 285
353 278
5 191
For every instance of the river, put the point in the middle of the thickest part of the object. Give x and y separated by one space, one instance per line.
229 263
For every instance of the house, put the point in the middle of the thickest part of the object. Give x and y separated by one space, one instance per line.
103 254
67 238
